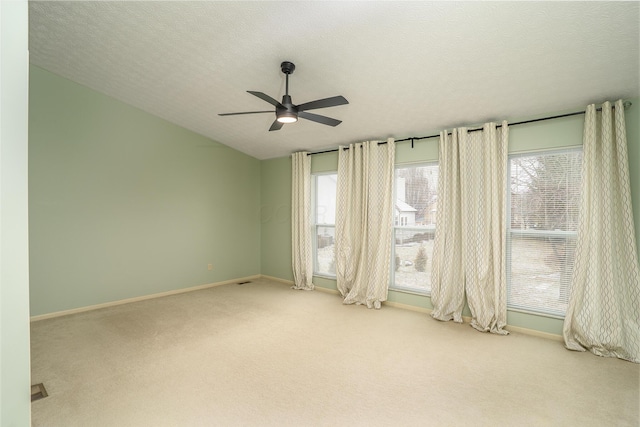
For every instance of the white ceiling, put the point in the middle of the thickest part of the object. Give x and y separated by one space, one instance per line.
407 68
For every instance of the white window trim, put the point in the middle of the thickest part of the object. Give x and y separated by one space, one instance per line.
531 232
424 228
315 225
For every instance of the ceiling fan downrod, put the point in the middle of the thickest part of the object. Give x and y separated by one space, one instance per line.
287 68
288 114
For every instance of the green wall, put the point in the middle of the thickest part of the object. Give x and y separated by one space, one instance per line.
15 388
275 218
549 134
125 204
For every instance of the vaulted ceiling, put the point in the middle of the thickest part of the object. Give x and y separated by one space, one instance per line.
407 68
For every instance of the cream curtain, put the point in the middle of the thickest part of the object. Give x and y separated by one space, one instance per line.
447 265
301 249
364 215
469 246
603 314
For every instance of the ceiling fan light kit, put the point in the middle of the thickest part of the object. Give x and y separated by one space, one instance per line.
286 117
287 112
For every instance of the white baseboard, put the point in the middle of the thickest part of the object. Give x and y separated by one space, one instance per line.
140 298
327 290
535 333
277 279
467 319
424 310
407 307
290 282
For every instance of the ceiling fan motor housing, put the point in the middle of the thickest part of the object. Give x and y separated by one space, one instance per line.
287 104
287 67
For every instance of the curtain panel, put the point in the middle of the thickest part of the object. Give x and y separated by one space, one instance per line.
364 218
301 242
603 314
469 246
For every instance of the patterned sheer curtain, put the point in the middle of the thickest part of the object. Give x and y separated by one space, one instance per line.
301 249
364 214
603 314
469 246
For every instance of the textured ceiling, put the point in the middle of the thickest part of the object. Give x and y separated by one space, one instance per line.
407 68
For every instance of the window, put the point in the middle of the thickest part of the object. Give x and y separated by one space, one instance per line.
324 220
414 227
541 229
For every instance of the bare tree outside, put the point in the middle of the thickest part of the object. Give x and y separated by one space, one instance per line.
419 189
545 193
416 205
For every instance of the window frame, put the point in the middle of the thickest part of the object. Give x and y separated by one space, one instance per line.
531 232
396 224
315 225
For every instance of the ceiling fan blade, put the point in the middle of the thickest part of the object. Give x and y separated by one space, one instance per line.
323 103
246 112
265 97
318 118
276 125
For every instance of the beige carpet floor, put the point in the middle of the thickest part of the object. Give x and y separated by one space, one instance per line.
263 354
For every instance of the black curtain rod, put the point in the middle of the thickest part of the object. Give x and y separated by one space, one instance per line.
627 104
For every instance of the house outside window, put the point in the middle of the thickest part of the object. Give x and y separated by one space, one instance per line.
415 188
542 225
324 219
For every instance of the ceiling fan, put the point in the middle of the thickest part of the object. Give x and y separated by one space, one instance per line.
287 112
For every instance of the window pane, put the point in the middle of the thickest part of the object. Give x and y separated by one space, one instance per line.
541 273
413 255
416 200
325 209
325 255
414 221
545 193
324 216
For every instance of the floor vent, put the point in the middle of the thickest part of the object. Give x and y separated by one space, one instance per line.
38 392
243 283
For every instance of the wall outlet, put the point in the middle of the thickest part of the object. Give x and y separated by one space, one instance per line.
209 267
